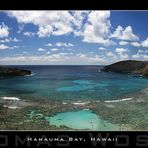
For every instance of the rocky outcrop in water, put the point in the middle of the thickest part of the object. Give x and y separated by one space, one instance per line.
4 71
136 68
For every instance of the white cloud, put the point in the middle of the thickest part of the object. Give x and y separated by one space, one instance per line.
54 49
34 59
41 49
97 29
25 52
110 54
145 43
29 34
59 58
48 22
48 52
49 44
81 55
4 30
135 44
139 56
142 51
6 40
45 31
79 16
13 47
15 40
2 47
125 34
102 48
20 28
122 52
124 56
96 59
122 43
61 44
63 53
88 59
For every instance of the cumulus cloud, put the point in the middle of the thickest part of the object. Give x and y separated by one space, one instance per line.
145 43
135 44
142 51
122 43
41 49
53 49
9 40
124 34
48 52
13 47
4 30
48 22
61 44
3 47
102 49
29 34
49 44
45 31
139 56
95 29
98 28
83 58
122 52
110 54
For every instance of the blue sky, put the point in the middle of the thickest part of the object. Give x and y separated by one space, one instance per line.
72 37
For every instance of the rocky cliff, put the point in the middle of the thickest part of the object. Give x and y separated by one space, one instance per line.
130 66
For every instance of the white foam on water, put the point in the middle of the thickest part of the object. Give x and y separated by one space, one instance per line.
86 109
97 101
10 98
112 101
64 103
81 103
32 74
12 107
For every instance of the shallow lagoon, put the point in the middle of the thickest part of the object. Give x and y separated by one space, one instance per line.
82 119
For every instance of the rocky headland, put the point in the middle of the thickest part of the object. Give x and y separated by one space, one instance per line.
134 67
5 71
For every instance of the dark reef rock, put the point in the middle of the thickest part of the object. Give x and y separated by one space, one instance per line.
133 67
4 71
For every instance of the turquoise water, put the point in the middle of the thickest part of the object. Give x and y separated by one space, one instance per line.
81 119
71 83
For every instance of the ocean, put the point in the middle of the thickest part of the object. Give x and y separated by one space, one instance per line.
73 98
71 83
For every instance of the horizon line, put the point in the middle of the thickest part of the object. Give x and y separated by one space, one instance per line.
51 65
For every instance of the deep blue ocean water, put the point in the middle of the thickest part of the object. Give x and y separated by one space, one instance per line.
71 83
